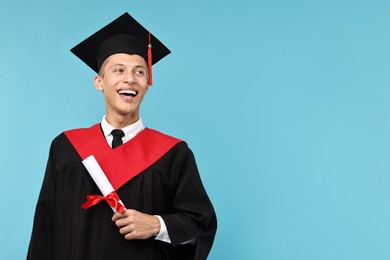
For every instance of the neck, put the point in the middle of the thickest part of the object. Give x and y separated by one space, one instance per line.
119 121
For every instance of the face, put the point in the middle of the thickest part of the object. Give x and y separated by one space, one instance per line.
123 81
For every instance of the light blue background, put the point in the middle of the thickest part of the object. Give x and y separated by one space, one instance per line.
285 104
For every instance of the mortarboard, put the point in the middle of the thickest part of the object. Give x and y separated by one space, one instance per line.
123 35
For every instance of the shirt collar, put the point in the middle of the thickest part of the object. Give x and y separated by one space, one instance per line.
130 130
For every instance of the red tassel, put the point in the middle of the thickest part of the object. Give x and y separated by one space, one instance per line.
150 80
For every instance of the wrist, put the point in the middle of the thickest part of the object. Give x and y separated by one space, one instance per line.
157 226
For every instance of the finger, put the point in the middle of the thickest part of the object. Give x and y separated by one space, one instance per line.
122 222
125 230
130 236
116 216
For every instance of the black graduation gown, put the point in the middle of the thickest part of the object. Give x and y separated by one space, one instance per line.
171 188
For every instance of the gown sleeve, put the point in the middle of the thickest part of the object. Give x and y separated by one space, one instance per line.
194 215
41 242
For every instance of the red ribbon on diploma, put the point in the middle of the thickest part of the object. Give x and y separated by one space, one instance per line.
111 198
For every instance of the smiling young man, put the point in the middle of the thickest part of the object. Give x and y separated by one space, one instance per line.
168 214
123 81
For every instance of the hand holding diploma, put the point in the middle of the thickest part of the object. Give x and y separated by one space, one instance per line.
103 184
132 224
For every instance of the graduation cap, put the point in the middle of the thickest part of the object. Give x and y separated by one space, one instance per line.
123 35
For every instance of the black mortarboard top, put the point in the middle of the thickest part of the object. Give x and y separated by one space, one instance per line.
123 35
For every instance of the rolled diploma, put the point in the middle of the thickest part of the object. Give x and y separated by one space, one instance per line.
99 177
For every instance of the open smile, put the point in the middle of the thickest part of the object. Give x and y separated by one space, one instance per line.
128 92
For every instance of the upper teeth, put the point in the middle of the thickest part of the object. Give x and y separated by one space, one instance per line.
127 91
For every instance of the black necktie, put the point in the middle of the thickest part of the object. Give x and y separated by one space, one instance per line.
117 140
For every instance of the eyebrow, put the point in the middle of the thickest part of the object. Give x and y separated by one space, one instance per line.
117 65
140 66
123 65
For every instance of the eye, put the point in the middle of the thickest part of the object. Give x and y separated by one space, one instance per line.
139 72
118 70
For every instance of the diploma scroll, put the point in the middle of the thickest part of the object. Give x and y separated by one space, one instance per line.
104 186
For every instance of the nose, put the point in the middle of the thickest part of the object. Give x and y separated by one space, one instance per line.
129 78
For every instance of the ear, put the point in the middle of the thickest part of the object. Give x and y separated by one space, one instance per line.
97 81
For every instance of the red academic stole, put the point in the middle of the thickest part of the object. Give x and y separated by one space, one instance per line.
125 162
